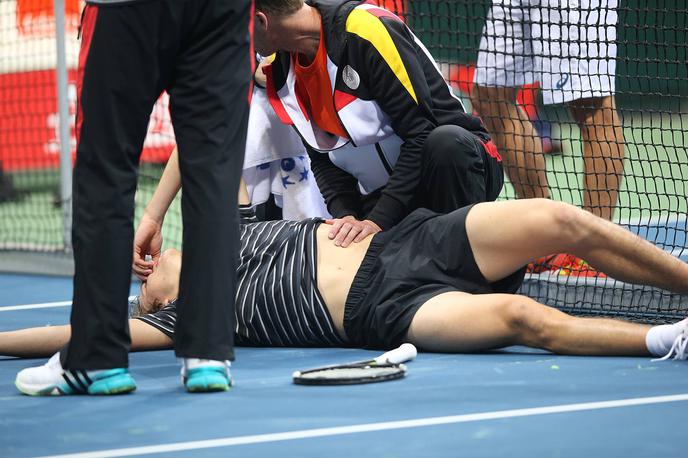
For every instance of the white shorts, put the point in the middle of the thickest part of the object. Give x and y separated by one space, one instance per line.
569 46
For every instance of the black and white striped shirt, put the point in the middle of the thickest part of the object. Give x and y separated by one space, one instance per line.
278 302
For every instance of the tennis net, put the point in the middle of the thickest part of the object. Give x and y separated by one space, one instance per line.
31 204
509 60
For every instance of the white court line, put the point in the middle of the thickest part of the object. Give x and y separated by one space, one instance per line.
662 220
44 305
35 306
369 427
678 252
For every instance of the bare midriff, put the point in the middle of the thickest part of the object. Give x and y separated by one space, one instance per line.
336 270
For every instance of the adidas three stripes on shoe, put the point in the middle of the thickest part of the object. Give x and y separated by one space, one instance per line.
51 379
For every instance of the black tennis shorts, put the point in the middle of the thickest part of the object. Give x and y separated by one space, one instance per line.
425 255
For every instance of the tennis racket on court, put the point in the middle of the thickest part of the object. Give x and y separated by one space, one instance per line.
387 366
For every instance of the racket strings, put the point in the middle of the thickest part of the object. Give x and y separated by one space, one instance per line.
352 372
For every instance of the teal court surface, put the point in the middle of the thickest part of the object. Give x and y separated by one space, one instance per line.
511 402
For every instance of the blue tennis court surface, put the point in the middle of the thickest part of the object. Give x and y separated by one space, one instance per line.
668 233
514 402
459 405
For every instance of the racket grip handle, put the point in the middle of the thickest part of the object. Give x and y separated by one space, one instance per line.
406 352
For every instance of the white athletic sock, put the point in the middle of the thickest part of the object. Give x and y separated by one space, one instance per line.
659 339
193 363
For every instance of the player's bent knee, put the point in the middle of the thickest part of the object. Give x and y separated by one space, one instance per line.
528 322
569 223
551 217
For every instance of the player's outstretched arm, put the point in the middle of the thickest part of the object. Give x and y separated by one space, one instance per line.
48 340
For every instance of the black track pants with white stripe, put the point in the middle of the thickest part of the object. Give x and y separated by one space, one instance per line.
197 50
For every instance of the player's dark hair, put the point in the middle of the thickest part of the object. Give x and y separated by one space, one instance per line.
279 7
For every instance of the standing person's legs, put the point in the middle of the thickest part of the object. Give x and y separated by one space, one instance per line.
119 81
505 63
578 63
457 170
515 137
209 106
603 152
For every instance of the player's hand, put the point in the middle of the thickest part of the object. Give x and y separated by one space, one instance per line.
259 77
147 241
349 229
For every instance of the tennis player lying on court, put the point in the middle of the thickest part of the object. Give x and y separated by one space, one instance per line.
445 283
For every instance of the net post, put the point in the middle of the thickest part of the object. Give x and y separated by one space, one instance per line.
64 124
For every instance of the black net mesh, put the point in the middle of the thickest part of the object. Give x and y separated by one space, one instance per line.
586 101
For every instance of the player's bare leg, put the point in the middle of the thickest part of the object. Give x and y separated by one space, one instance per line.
506 235
461 322
603 152
515 137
